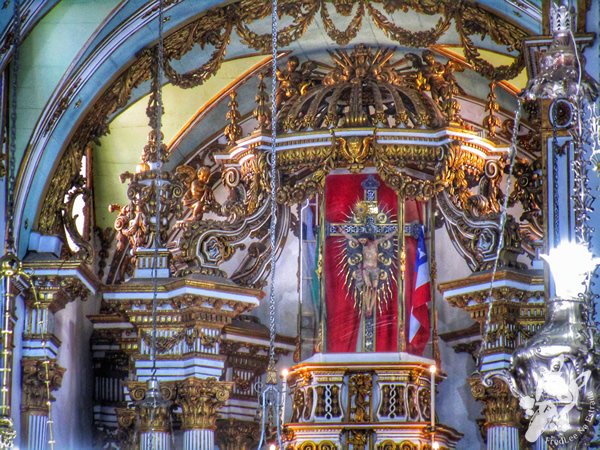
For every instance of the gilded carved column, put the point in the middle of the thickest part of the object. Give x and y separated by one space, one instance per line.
155 418
501 412
37 384
200 400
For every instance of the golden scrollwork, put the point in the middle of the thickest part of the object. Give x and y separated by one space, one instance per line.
503 293
234 434
233 130
391 445
351 31
492 121
355 150
459 164
488 199
214 28
406 37
294 192
200 400
262 112
164 344
359 439
405 185
126 435
363 87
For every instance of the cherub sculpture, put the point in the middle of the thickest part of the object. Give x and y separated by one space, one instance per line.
439 79
293 80
199 195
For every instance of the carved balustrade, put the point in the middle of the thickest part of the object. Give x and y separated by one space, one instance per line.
345 401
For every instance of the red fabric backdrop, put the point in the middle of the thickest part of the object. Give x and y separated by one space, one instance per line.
341 193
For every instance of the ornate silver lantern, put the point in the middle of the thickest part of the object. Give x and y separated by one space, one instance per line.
555 374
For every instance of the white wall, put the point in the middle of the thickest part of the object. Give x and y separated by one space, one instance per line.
73 411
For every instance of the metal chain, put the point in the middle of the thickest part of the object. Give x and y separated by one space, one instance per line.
157 122
9 244
158 179
270 398
273 224
503 217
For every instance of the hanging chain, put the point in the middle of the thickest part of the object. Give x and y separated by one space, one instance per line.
9 244
512 151
156 168
270 397
273 224
158 179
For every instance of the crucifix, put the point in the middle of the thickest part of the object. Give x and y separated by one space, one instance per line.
369 258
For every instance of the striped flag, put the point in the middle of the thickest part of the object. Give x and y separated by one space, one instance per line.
418 332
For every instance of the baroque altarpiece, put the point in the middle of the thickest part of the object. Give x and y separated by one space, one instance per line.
394 126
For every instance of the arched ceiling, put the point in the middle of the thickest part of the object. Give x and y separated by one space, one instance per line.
95 85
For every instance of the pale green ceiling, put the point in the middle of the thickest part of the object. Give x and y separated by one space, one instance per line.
120 150
45 55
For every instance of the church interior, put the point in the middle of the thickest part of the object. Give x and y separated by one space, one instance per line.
299 224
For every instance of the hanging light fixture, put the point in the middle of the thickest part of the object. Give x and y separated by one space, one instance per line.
271 395
555 373
150 172
559 75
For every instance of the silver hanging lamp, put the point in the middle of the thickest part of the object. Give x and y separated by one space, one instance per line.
271 395
555 373
154 404
559 74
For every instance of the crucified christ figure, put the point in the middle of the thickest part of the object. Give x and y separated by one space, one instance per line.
369 267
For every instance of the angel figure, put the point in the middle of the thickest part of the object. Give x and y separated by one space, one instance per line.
439 79
293 81
199 196
131 227
368 270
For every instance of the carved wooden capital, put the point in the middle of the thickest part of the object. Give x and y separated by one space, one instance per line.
156 418
199 400
500 407
54 292
126 428
35 375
